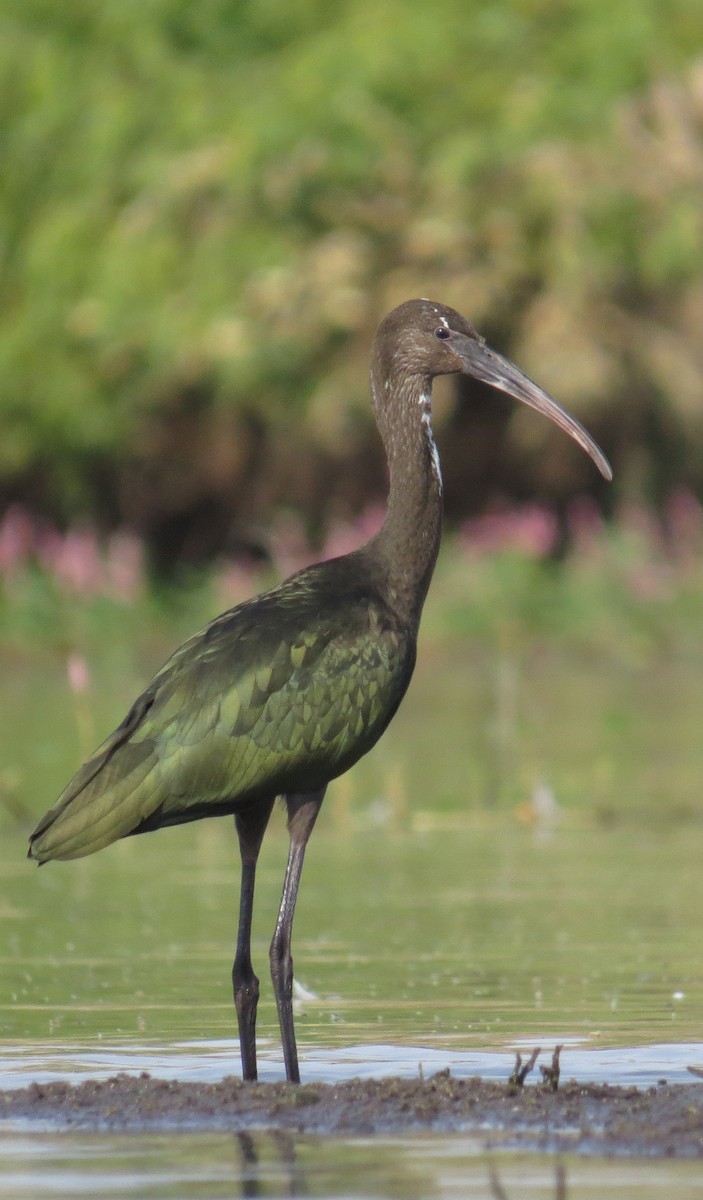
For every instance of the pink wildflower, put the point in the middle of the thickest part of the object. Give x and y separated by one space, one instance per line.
585 523
531 530
78 674
685 521
16 539
124 566
343 538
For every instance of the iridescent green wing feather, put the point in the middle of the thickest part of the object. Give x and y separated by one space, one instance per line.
278 695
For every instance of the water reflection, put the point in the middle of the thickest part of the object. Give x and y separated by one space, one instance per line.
50 1166
253 1176
259 1153
498 1191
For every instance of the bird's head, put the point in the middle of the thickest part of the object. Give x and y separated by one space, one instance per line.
423 339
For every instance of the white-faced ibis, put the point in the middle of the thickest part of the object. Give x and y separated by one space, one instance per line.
285 692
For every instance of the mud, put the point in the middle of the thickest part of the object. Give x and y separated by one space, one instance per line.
663 1121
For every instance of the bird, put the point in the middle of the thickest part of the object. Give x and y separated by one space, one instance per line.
286 691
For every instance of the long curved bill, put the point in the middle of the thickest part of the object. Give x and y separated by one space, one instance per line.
485 364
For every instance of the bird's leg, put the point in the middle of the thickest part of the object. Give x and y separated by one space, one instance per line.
251 826
302 814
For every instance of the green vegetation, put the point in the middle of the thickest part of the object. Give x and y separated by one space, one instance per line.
206 208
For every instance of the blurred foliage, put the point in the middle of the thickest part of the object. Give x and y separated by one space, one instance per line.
205 209
630 591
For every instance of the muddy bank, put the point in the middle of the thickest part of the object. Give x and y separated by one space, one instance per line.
586 1118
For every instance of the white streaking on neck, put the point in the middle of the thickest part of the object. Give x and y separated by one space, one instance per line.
426 418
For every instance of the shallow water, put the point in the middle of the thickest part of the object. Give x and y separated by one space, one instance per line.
425 937
418 951
207 1062
462 939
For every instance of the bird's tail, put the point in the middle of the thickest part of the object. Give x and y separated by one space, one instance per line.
99 805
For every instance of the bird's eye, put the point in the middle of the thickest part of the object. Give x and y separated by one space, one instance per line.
442 333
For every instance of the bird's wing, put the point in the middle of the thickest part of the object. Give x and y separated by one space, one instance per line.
276 695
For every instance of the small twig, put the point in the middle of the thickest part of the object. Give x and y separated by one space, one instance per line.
521 1072
551 1074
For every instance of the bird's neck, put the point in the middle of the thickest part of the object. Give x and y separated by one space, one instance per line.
405 549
